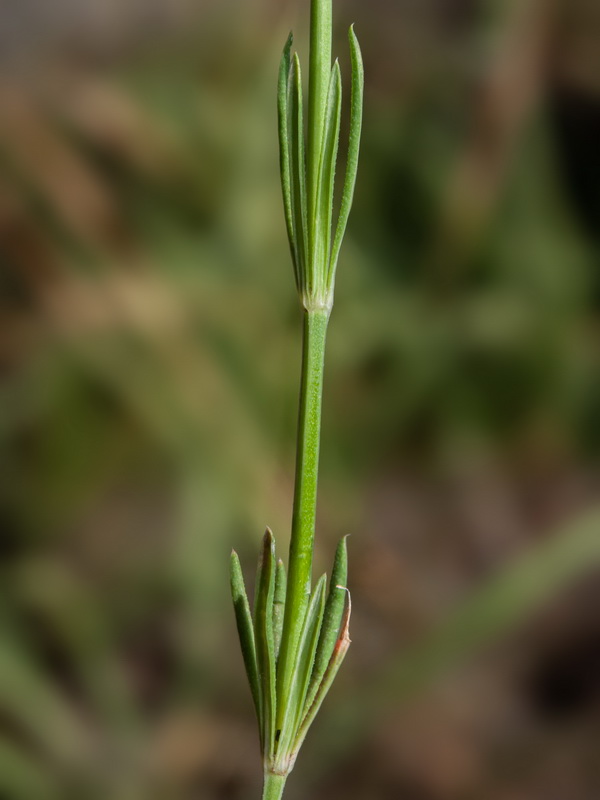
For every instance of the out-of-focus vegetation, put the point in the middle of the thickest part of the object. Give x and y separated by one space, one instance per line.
149 348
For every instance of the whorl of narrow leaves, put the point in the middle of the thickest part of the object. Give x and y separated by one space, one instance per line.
308 165
322 648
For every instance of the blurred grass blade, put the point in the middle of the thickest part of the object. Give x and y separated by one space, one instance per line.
330 140
292 713
298 173
340 649
263 633
332 619
501 603
23 777
356 111
504 602
284 149
243 619
279 605
30 700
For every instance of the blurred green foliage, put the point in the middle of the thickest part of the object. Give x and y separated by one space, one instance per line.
150 347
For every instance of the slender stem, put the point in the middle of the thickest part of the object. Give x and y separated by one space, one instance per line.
305 496
273 786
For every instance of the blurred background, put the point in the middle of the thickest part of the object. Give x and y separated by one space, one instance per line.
149 353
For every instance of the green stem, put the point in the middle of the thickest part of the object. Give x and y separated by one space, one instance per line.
305 497
273 786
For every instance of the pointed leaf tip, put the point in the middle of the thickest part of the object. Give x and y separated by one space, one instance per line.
268 537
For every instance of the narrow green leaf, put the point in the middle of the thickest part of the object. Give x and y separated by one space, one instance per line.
263 632
356 109
332 620
339 653
292 714
298 173
284 148
321 34
34 703
243 619
309 641
279 605
324 212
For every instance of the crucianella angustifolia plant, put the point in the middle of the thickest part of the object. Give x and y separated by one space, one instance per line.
295 636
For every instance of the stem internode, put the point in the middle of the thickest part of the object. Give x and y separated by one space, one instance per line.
305 496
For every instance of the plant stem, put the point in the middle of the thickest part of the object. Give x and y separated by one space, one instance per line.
305 495
273 786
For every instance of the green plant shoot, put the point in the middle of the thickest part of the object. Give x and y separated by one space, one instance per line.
295 638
